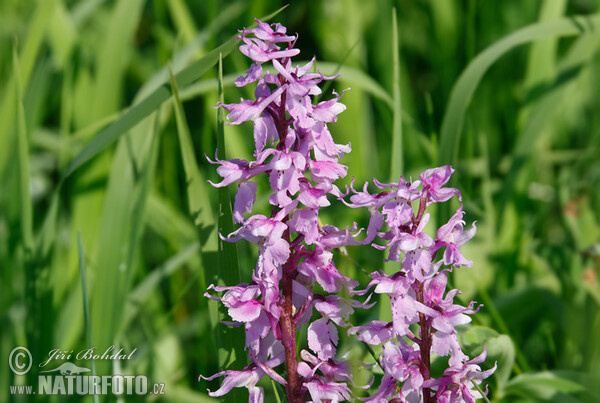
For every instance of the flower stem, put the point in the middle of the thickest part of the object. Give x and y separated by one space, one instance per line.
425 347
288 335
287 322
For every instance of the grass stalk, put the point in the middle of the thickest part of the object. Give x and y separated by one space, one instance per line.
397 165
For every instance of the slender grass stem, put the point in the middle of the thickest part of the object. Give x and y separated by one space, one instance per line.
397 165
275 391
485 398
86 310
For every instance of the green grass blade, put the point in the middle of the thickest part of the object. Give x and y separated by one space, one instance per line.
47 235
230 341
133 116
467 83
328 84
131 173
182 57
541 60
86 133
227 251
549 103
579 55
84 9
199 205
8 109
147 175
138 112
112 57
268 17
23 161
144 289
35 36
62 35
29 54
358 79
66 114
86 310
183 19
169 222
275 392
101 96
203 87
397 165
197 190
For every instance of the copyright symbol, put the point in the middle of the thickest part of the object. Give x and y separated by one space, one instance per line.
20 360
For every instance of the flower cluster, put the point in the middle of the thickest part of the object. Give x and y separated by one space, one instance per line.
294 148
417 291
295 277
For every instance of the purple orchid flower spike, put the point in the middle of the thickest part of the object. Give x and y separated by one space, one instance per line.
295 273
417 293
296 281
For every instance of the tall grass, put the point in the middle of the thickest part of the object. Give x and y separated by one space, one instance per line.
107 110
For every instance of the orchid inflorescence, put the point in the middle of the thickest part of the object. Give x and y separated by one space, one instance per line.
295 149
416 293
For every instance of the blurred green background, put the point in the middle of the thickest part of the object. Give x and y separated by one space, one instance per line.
92 141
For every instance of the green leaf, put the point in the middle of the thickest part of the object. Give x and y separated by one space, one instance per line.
500 349
475 337
548 385
468 81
